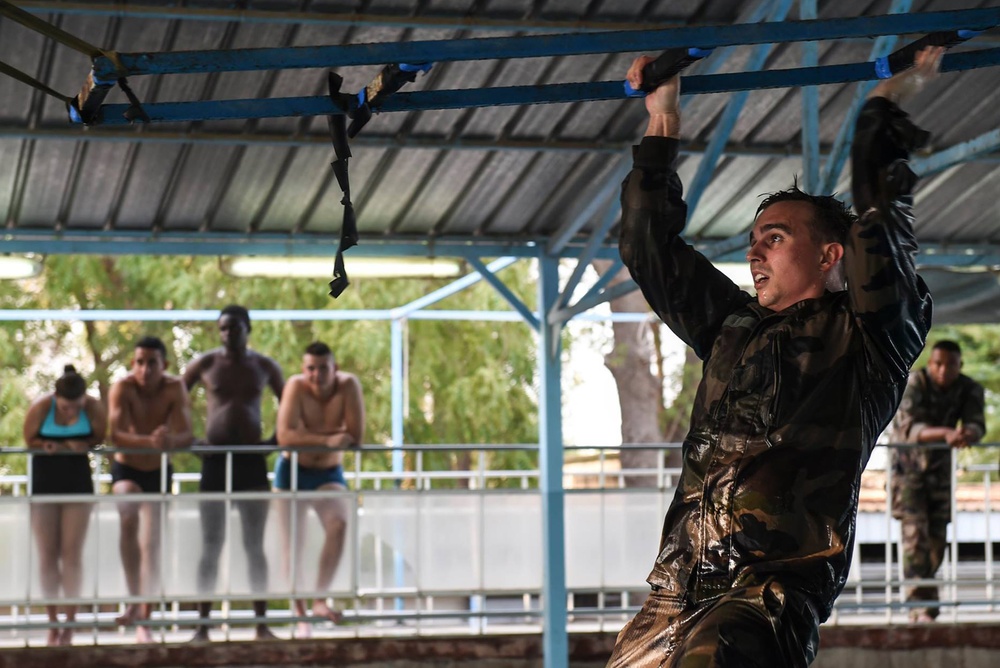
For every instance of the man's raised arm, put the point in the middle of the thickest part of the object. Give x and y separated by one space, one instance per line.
891 302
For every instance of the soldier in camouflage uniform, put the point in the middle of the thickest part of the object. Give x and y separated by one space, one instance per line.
798 383
937 399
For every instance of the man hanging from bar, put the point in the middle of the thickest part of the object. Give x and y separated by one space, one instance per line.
798 383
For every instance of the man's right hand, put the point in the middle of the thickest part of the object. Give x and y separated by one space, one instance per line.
663 104
339 440
955 438
160 438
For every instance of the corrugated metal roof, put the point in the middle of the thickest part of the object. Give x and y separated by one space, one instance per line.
411 179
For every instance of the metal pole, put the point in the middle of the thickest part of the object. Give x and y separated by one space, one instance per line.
555 643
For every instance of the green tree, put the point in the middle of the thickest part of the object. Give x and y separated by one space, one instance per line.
468 382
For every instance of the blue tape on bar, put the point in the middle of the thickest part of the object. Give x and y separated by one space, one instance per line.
362 96
416 67
74 115
102 82
968 34
695 52
882 70
632 92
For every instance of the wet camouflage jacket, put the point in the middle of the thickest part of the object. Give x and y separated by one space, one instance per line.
790 403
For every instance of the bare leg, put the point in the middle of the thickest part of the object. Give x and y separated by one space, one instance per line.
128 547
253 520
45 520
332 515
76 517
149 541
213 526
286 507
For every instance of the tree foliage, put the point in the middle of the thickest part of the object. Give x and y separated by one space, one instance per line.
469 382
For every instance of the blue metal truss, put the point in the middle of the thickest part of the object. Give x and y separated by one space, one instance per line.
810 106
845 135
724 126
190 62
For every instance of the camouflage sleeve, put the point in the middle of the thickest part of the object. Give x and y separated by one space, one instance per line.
973 412
910 418
684 289
892 304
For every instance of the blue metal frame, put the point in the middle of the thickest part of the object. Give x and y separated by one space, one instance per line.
190 62
134 242
724 127
113 114
452 288
555 641
607 192
505 292
942 160
810 107
845 135
611 214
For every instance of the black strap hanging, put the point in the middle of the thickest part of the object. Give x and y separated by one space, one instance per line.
359 108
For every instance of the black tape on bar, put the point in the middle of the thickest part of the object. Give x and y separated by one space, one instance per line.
666 65
348 228
902 59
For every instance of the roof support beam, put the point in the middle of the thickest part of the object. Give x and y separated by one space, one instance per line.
942 160
883 46
611 213
726 123
505 292
557 316
810 107
455 287
189 62
346 19
605 196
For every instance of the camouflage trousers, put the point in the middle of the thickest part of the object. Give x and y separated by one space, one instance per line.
922 503
748 627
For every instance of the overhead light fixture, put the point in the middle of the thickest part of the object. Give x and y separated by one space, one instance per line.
359 267
13 267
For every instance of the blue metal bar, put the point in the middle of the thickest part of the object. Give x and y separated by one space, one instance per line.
113 114
190 62
609 189
450 289
942 160
555 641
281 315
845 135
614 292
810 107
505 292
611 214
724 127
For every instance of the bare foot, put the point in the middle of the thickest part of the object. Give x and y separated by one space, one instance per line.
53 638
321 609
264 633
201 635
127 618
65 638
303 630
143 634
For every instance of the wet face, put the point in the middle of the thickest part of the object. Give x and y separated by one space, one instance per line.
944 367
148 366
69 409
319 371
233 332
786 264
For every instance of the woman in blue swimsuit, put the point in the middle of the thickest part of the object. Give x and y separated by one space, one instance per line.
62 426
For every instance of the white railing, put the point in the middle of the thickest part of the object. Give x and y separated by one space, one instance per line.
440 547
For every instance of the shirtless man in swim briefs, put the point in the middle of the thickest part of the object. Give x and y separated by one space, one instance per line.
323 407
234 378
149 410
